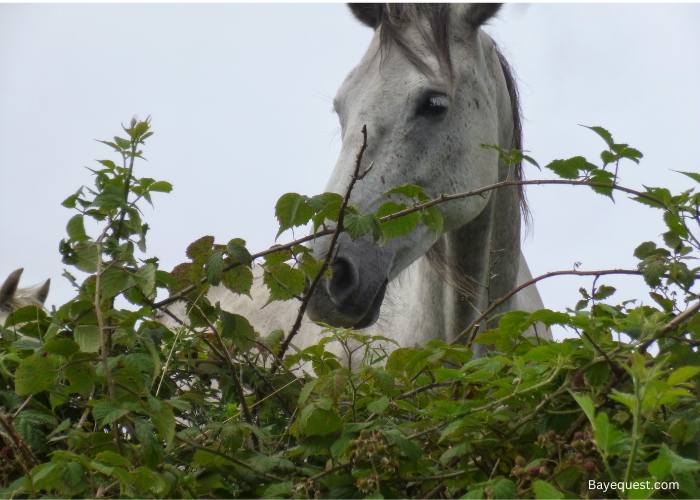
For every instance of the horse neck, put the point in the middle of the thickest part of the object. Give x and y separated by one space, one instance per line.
485 251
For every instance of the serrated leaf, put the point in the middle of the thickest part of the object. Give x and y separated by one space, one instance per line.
603 292
146 278
164 421
322 422
505 488
113 459
88 338
81 377
292 210
602 133
645 249
238 252
114 280
62 347
200 249
567 169
282 280
397 227
379 406
237 328
27 344
161 186
408 190
75 228
680 375
238 280
105 412
35 374
545 491
675 224
432 218
278 490
359 225
214 267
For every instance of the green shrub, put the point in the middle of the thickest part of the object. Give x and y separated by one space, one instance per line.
103 401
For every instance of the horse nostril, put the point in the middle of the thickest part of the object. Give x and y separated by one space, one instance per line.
345 280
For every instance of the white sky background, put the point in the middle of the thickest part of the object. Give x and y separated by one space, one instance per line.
240 99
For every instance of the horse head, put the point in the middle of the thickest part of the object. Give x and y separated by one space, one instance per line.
12 297
430 89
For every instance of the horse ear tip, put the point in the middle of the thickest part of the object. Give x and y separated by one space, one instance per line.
368 14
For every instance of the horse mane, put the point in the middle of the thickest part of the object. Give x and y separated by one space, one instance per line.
394 17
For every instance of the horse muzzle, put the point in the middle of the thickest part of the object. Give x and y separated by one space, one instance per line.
353 296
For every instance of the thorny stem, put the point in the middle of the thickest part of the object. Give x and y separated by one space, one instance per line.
104 336
472 328
329 254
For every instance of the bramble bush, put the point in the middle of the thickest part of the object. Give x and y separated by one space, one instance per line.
98 399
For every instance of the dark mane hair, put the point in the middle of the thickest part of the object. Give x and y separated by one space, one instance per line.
393 18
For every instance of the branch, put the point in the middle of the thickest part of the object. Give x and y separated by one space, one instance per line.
18 441
440 199
329 254
671 326
500 301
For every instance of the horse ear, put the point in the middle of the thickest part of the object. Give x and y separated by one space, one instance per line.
369 14
42 293
8 289
476 14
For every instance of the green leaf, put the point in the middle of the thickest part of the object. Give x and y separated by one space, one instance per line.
75 228
114 280
408 448
545 491
35 374
645 249
238 280
680 375
214 267
379 406
105 412
602 133
282 280
113 459
278 490
238 328
397 227
238 252
292 210
432 218
27 344
164 420
660 468
675 224
604 177
200 249
359 225
88 338
603 292
323 422
62 347
567 169
161 186
693 175
505 488
146 279
81 377
408 190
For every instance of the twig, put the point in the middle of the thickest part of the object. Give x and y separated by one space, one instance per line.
269 477
498 302
671 326
329 254
18 441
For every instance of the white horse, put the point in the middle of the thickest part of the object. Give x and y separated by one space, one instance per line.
431 88
13 298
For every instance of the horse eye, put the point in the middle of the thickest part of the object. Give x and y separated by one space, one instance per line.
434 105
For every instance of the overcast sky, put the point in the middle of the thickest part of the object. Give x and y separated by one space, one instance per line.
240 97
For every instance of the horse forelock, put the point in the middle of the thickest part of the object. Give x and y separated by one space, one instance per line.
395 17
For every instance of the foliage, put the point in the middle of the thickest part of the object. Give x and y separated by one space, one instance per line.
99 399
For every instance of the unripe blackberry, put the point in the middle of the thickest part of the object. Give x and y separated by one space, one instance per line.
551 435
578 436
577 382
519 460
589 466
534 471
7 452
